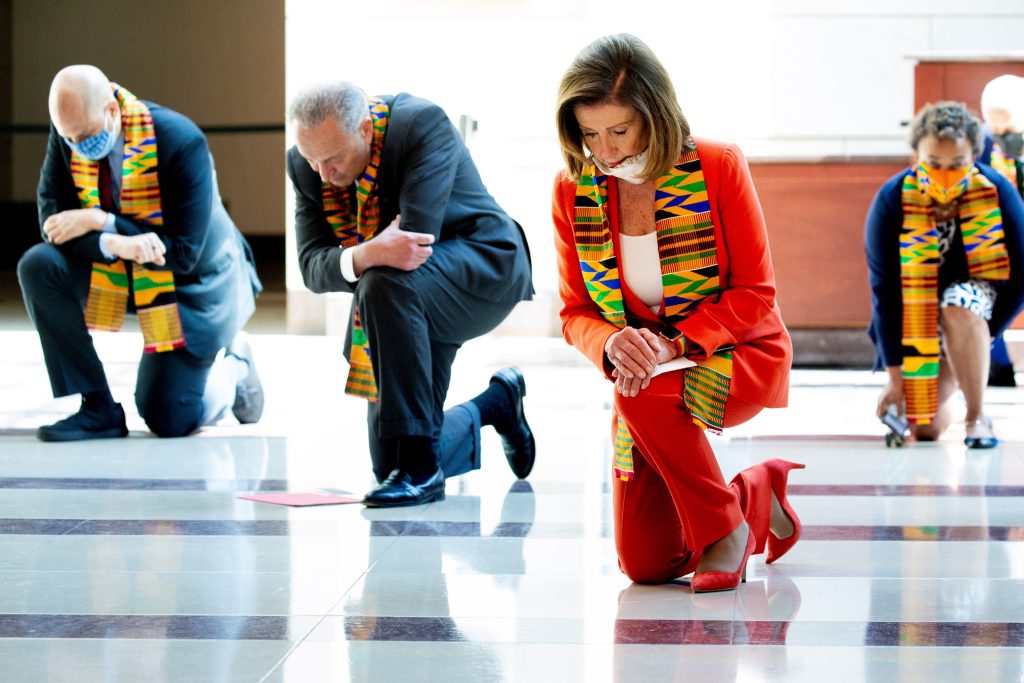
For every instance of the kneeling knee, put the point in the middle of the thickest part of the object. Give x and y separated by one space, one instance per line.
928 432
381 284
167 422
639 572
35 265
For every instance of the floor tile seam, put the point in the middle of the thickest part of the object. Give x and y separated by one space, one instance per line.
193 572
535 619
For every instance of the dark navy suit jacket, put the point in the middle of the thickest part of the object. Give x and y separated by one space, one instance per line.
427 176
882 245
214 277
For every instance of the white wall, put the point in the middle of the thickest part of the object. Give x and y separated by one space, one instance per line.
796 78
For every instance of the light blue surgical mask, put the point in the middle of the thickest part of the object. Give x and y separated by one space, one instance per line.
95 147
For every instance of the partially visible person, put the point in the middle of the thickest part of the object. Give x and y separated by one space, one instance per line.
667 287
390 207
945 246
1002 109
132 220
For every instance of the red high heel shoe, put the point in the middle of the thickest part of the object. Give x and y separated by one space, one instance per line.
779 469
709 582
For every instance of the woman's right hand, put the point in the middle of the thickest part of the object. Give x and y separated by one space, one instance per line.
893 392
633 360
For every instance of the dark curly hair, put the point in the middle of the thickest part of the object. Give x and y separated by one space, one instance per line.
947 121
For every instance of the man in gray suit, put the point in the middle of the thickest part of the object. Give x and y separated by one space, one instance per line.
390 207
131 219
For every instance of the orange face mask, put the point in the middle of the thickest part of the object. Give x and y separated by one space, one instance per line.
947 179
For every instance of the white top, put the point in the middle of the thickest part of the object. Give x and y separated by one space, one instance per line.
641 270
641 267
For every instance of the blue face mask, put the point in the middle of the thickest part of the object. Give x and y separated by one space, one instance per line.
95 147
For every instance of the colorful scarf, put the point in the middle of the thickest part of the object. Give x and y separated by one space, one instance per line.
981 226
1006 166
352 225
689 274
153 290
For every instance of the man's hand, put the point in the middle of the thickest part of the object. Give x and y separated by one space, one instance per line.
142 249
67 225
393 247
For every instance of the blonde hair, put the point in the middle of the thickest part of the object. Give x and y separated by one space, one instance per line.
621 69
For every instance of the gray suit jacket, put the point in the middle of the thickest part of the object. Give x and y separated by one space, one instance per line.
428 177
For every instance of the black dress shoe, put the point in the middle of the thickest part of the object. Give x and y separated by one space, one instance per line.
398 490
87 423
516 435
1000 375
248 406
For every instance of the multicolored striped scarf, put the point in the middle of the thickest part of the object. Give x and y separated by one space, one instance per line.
353 223
152 290
981 226
1006 166
689 274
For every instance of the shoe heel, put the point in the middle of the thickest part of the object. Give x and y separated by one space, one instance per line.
780 469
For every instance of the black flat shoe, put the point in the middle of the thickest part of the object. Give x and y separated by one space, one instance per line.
248 406
980 435
516 435
1001 376
87 424
399 491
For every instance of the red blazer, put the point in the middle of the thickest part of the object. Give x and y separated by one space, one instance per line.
744 314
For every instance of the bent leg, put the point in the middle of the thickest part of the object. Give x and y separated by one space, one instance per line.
649 537
169 392
967 342
416 321
55 286
681 454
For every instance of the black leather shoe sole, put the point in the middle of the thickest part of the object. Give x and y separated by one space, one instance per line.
518 442
49 433
404 501
398 491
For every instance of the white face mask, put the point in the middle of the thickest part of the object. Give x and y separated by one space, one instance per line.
629 170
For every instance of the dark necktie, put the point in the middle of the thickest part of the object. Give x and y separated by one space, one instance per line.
106 193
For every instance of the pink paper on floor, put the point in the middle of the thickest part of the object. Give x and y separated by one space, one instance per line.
300 499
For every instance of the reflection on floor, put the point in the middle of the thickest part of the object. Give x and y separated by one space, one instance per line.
135 560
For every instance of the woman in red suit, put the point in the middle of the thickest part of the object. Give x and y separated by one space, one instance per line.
667 286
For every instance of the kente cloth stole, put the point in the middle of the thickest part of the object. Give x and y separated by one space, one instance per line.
1006 166
689 274
981 226
152 290
354 222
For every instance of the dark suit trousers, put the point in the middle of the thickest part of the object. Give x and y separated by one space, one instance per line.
416 321
170 386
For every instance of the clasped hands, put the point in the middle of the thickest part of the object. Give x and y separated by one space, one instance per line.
394 247
635 353
67 225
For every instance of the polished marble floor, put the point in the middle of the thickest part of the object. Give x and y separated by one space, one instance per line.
134 560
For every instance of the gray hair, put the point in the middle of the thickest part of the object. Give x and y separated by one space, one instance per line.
947 121
341 100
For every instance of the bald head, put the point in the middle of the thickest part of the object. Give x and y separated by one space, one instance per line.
80 96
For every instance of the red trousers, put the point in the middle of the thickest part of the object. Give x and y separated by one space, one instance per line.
678 502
